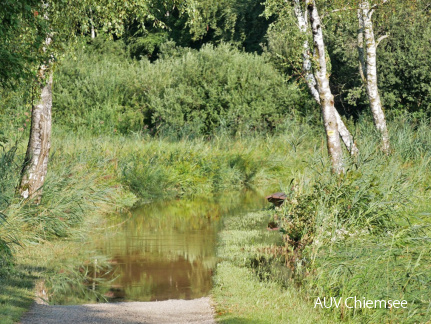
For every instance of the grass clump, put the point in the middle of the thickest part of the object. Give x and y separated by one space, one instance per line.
395 267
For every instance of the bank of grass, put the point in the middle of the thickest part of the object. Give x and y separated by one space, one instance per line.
166 167
365 233
247 288
44 243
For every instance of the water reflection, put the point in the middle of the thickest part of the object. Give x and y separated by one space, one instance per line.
166 250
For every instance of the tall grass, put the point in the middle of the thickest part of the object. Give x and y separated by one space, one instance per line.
161 167
360 234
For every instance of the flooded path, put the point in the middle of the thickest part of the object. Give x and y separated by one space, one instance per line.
163 255
166 250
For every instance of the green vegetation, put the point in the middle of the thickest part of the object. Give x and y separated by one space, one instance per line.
403 58
186 92
365 233
195 98
341 229
243 290
93 175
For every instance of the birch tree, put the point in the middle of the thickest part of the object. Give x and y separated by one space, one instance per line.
36 159
310 79
62 19
368 68
326 98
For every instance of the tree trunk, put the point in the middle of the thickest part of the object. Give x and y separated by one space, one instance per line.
93 31
35 165
312 84
36 160
325 95
368 69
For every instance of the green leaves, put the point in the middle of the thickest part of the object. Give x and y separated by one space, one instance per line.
20 39
185 92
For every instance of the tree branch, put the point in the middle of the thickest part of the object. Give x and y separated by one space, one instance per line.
337 10
379 4
380 39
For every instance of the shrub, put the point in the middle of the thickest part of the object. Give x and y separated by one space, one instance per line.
220 87
199 92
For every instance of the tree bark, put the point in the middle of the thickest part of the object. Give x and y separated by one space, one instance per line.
35 165
93 31
311 80
326 98
36 159
368 69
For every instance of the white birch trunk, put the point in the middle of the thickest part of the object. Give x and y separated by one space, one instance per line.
368 68
35 165
36 160
93 31
312 84
326 98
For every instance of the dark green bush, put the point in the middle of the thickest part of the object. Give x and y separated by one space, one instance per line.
216 88
220 88
97 92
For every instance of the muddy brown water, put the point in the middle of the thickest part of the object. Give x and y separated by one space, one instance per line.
167 250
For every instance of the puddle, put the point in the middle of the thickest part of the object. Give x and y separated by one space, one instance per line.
166 250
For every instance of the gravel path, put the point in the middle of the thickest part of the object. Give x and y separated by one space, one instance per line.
170 311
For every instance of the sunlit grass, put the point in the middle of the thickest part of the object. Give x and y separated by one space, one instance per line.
366 233
244 291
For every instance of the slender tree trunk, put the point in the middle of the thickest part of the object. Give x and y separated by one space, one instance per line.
35 165
368 69
36 159
326 98
93 31
311 80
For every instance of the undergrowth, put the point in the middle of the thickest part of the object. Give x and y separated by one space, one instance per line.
358 234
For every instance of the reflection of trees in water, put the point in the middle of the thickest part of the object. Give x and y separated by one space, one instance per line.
164 280
167 249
